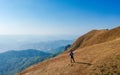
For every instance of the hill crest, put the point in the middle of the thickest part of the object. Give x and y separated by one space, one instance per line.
96 37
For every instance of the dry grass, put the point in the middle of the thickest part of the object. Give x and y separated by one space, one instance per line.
96 37
101 57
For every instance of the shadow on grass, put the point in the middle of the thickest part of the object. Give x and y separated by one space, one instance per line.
84 63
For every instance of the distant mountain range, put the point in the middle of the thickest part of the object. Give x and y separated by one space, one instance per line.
48 46
14 61
17 44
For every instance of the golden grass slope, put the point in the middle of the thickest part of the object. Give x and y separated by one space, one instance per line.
96 37
101 57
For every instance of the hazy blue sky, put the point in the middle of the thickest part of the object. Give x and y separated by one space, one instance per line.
57 17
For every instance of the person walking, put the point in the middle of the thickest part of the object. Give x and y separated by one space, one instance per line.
72 60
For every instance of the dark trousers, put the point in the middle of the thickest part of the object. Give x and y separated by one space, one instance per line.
72 60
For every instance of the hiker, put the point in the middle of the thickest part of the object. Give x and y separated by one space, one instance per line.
72 56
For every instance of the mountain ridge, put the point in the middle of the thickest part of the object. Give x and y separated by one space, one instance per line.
96 37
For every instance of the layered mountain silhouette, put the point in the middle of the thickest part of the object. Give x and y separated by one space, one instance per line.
96 53
13 62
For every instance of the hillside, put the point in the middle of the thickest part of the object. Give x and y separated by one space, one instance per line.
96 53
96 37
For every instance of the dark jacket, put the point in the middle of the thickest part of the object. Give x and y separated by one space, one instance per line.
71 54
